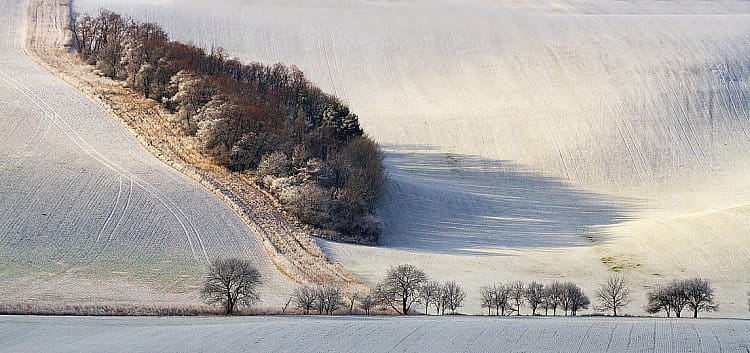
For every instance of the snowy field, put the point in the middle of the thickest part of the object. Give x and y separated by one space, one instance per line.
352 334
530 140
87 215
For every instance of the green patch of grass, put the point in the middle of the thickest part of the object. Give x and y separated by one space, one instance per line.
616 264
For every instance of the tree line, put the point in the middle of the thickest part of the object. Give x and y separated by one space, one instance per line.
511 297
304 145
234 282
697 294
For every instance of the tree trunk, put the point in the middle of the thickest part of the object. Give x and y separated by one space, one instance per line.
695 313
614 311
229 307
403 307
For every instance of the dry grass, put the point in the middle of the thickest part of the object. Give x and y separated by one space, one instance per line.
288 245
128 310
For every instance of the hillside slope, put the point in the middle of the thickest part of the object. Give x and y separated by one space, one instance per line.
531 140
88 215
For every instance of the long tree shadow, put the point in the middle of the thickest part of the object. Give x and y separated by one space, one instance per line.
458 204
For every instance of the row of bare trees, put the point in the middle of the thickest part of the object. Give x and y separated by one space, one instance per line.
509 298
697 294
235 282
304 145
612 295
403 287
406 285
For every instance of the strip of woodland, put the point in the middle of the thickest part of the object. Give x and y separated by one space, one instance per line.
302 145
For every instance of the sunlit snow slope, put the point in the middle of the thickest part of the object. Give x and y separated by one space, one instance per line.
531 140
87 215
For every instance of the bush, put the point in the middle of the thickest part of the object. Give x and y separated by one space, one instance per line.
276 164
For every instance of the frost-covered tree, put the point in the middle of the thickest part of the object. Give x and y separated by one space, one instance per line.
613 294
190 94
276 164
144 47
309 202
231 282
400 288
107 50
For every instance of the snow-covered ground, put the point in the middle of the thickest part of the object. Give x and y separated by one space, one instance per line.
531 140
370 334
87 215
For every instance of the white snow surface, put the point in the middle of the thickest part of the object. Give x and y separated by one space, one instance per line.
527 139
87 215
371 334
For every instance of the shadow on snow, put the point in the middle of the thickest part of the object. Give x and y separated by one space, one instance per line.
466 205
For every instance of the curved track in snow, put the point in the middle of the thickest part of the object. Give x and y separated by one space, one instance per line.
88 215
531 140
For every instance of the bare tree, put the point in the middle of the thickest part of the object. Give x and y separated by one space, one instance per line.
676 296
658 300
429 294
502 299
440 302
328 299
699 294
454 296
400 288
574 299
231 282
368 302
614 294
487 297
352 297
554 295
304 298
517 294
534 295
